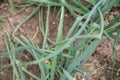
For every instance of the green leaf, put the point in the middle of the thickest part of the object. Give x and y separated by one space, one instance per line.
117 78
68 75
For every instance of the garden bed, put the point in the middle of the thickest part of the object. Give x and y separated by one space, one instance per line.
99 66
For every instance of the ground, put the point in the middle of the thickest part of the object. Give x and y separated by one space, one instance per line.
99 65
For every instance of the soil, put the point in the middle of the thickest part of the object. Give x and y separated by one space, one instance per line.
99 65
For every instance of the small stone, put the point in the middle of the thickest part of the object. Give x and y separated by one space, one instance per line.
116 13
53 22
111 17
106 22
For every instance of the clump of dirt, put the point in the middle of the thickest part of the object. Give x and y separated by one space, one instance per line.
101 63
110 16
11 20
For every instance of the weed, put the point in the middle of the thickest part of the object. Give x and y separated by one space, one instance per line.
64 64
